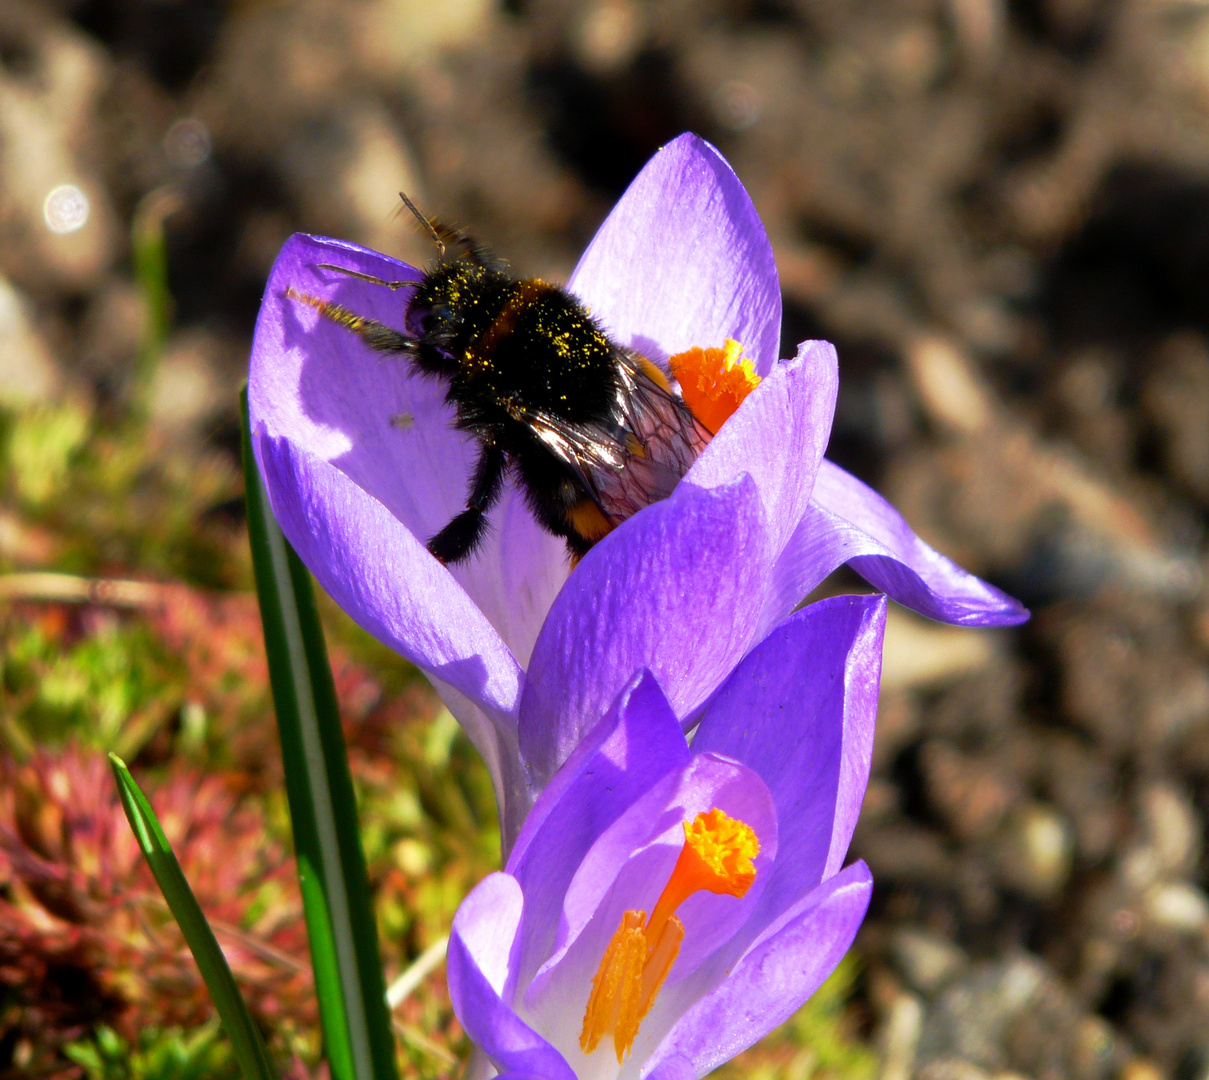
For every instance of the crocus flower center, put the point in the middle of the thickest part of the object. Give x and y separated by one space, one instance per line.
716 857
714 382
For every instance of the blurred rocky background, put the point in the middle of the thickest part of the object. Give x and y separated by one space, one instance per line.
998 210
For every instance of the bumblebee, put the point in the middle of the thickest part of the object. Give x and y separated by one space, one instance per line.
592 432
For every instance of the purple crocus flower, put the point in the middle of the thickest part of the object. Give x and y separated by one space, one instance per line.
362 466
784 749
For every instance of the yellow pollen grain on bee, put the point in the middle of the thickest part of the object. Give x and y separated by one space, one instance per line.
716 857
714 382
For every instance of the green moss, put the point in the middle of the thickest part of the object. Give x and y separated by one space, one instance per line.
43 443
121 496
201 1054
111 689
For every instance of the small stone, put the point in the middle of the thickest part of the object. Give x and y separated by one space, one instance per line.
609 35
1177 906
918 653
951 1069
1038 851
1140 1068
1139 868
926 961
59 221
970 1020
954 396
1093 1046
115 330
981 27
395 37
1173 828
899 1036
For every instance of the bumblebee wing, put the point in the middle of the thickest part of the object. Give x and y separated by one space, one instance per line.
638 459
657 416
587 449
663 436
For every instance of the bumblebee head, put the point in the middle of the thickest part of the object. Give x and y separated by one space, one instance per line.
450 294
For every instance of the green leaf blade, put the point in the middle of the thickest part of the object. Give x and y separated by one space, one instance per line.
331 861
250 1050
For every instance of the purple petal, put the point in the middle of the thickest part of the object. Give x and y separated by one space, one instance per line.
849 522
683 260
528 1075
774 978
481 969
670 1067
501 756
800 711
628 867
778 437
378 572
637 743
386 428
677 590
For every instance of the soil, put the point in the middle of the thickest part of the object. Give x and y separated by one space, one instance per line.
999 212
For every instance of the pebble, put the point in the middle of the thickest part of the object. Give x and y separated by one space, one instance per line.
1139 868
1141 1069
970 1019
951 392
1093 1045
1037 851
928 962
952 1069
1173 828
917 653
609 35
394 38
1177 906
899 1036
1014 1016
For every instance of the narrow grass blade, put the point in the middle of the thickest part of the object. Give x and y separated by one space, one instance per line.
250 1051
327 842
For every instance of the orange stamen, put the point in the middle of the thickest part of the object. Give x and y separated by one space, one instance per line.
714 382
614 1002
716 857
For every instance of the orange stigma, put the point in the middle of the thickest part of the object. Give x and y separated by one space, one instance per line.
714 382
716 857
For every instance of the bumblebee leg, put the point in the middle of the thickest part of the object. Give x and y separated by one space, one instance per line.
464 533
376 335
365 277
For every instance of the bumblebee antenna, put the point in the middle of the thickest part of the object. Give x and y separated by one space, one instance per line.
428 226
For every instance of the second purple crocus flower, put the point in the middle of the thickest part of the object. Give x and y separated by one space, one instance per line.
539 971
362 467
